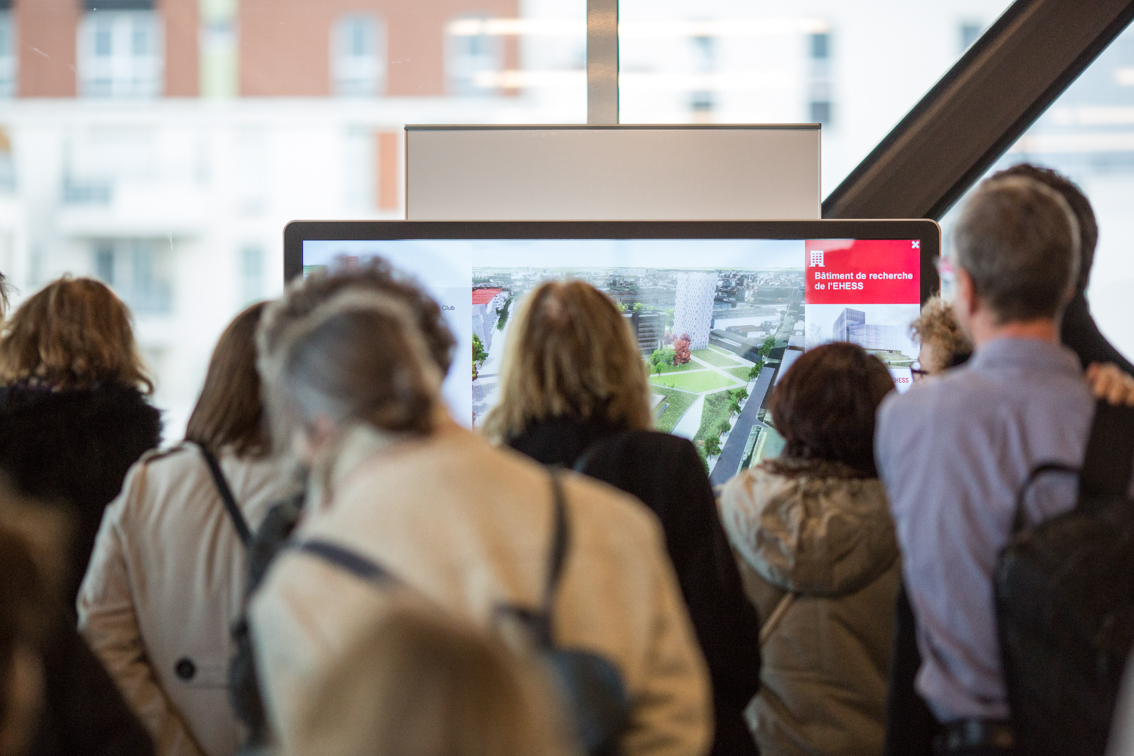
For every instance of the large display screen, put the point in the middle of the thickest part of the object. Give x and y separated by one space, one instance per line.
716 320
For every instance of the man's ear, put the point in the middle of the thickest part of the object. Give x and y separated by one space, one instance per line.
965 302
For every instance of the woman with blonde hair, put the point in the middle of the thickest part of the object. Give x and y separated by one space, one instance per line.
573 392
74 413
422 684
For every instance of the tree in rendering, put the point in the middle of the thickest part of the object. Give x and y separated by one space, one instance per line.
712 446
681 350
478 353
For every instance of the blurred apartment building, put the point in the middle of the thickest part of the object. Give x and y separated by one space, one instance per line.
162 145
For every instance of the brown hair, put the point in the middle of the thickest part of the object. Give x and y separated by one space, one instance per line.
229 410
1080 206
570 355
376 275
824 406
73 333
424 684
1019 242
937 326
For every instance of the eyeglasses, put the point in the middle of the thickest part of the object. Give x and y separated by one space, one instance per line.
945 269
917 371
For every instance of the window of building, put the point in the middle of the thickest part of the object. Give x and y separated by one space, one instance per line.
820 46
252 283
120 54
358 56
855 67
702 101
7 54
970 33
474 57
139 271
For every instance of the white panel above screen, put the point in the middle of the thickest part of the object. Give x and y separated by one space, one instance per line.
734 172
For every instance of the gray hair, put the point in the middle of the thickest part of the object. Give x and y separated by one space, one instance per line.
1019 242
359 357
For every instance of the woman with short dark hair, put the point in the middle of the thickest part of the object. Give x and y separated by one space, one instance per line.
820 560
166 579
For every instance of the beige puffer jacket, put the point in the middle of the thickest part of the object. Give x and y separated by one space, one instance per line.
820 560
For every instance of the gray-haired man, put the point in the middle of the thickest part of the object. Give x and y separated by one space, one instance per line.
953 452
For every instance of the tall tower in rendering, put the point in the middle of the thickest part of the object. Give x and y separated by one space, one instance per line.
693 312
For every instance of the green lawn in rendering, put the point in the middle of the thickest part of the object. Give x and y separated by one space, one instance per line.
676 403
713 357
741 373
707 380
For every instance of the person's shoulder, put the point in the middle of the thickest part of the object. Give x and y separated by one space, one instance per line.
602 508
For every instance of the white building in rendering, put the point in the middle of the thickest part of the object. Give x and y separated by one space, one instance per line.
693 312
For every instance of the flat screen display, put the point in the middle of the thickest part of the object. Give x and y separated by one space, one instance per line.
717 319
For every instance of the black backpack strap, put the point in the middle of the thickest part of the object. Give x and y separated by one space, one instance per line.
234 513
540 622
345 559
560 540
1109 464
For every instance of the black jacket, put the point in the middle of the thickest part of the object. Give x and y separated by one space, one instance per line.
666 473
83 713
1079 333
73 448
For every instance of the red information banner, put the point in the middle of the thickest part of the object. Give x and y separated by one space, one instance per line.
878 271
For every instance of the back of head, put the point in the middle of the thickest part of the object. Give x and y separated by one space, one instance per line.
229 411
1019 242
1080 206
376 276
937 328
422 685
74 333
358 358
570 355
824 406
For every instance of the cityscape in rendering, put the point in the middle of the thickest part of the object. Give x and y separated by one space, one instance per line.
710 339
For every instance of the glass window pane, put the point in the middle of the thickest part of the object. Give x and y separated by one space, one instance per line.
192 131
855 67
1088 135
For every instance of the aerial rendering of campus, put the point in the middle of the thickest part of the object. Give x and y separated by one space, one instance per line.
717 321
710 339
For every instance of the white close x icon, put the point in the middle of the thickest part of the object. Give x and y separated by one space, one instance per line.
917 245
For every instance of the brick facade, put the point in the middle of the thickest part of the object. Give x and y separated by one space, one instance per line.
285 44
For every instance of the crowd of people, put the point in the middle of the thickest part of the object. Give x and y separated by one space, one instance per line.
329 564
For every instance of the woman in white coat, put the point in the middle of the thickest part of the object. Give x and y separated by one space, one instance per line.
166 580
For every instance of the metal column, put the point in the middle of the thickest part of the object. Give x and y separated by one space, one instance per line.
602 62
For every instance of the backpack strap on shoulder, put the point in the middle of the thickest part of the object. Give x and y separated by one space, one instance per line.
345 559
230 505
1020 518
1109 462
557 559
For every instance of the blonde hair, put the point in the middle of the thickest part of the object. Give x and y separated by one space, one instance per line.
73 333
570 355
359 357
938 327
421 684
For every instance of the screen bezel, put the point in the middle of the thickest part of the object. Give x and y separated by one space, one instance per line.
925 231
